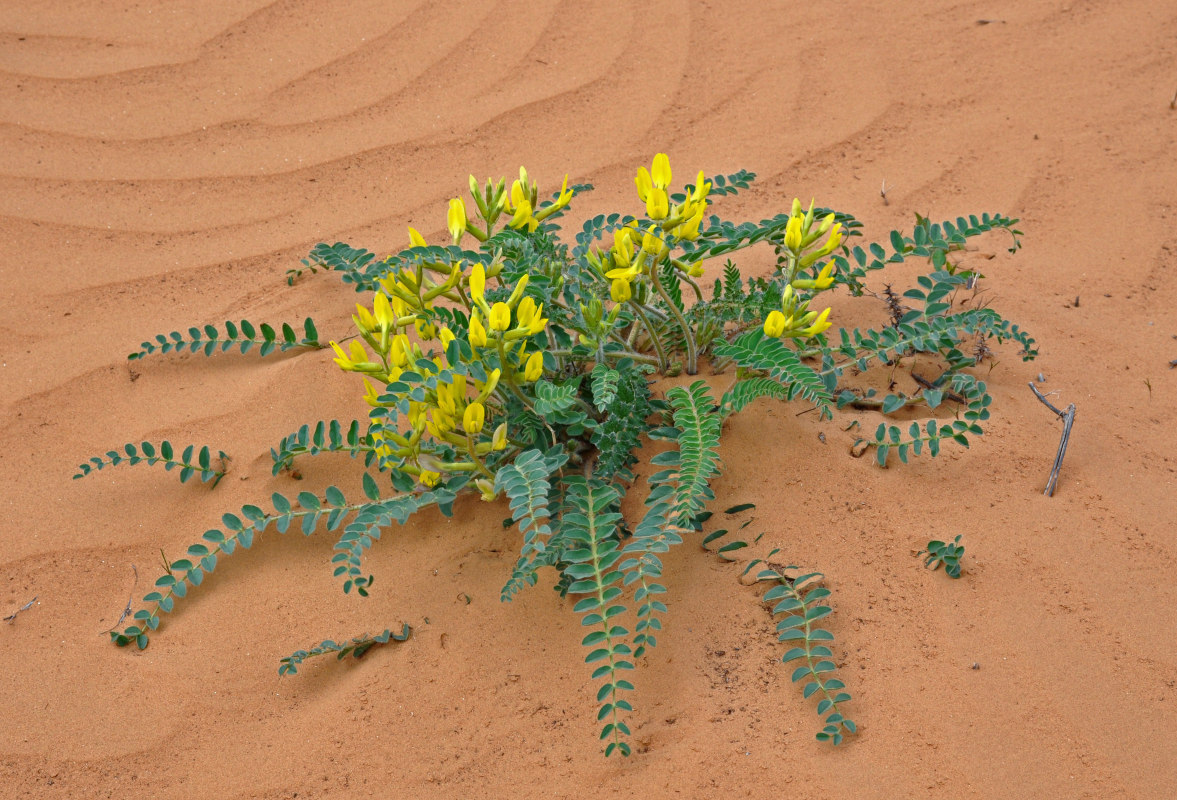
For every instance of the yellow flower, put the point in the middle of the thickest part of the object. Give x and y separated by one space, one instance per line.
793 233
425 330
644 183
416 239
829 247
661 171
492 380
689 230
538 322
702 188
400 350
657 203
834 240
620 290
824 280
559 203
565 194
652 242
774 324
627 274
356 360
474 418
371 396
525 314
622 247
820 325
364 320
522 215
477 332
446 336
534 368
500 317
517 292
383 312
456 219
477 282
430 478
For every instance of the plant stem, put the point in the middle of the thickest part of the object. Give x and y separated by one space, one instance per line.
640 310
688 336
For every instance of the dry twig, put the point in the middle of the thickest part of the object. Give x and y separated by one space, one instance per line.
1068 418
11 618
127 610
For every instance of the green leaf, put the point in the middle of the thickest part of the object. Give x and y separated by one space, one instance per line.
371 490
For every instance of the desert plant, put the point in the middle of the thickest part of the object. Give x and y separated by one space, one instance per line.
526 366
947 554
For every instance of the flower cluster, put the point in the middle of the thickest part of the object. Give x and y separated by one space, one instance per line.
626 262
802 250
450 397
509 324
492 200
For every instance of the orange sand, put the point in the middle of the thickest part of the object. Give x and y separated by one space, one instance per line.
163 163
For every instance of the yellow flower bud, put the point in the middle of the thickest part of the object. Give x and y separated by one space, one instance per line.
500 317
456 219
474 418
430 478
517 292
774 324
477 282
620 291
534 368
416 239
446 336
660 174
487 489
477 332
499 439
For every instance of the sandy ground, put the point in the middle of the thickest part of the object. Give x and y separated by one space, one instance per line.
163 163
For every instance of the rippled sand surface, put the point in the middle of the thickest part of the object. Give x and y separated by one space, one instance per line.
163 163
